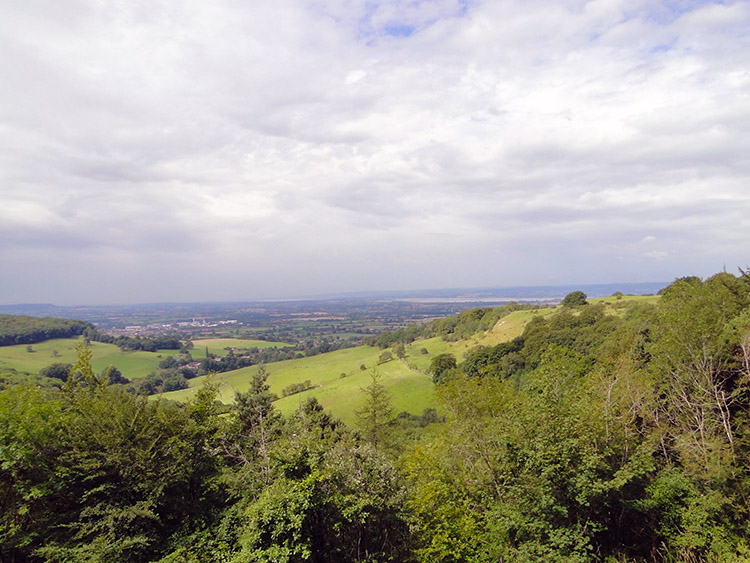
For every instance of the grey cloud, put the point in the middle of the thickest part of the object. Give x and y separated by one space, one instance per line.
298 146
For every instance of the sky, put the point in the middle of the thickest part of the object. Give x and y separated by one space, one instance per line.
182 151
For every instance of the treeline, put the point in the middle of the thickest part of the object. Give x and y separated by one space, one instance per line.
20 329
134 343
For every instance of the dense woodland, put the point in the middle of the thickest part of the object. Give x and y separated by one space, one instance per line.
20 329
591 437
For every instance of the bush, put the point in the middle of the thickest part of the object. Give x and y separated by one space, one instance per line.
575 299
386 356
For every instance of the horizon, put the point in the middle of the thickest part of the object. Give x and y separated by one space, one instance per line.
386 294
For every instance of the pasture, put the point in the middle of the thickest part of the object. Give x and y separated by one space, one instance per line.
63 350
412 390
218 346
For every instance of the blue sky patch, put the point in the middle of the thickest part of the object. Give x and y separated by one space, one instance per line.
399 30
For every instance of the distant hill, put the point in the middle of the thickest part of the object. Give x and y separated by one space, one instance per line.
506 294
21 329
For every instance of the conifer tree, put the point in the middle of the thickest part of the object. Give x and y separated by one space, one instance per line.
377 414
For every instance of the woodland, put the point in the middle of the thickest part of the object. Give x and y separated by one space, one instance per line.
592 436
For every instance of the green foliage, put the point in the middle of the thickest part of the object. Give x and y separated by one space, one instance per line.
20 329
295 388
112 376
376 416
574 299
591 437
98 474
57 370
82 374
623 437
441 365
333 499
386 356
399 350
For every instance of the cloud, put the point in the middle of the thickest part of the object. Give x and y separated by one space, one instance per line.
304 147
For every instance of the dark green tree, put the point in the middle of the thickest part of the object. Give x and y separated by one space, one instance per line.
441 365
57 370
400 351
574 299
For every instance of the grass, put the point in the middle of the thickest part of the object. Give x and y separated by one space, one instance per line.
407 380
217 345
131 364
412 390
512 325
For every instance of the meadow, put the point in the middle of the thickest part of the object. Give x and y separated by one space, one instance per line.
218 346
337 379
132 364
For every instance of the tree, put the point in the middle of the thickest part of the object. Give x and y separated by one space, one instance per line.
168 362
258 422
386 356
82 374
112 376
334 499
400 351
377 414
57 370
441 364
574 299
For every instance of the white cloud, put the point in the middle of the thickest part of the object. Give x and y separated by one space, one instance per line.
299 146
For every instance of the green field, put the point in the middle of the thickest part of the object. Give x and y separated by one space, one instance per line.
131 364
408 381
218 346
412 390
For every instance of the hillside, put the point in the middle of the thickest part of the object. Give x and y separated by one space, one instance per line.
408 380
412 389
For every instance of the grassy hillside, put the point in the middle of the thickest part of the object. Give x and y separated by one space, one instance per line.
131 364
512 325
412 389
407 380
